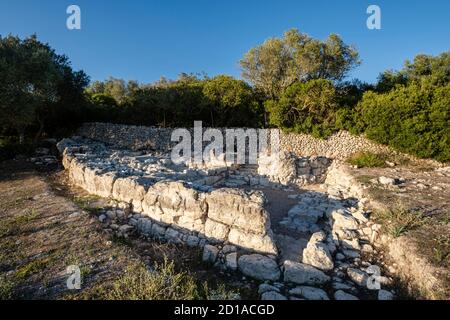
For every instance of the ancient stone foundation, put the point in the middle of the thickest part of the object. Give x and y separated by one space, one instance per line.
308 241
171 201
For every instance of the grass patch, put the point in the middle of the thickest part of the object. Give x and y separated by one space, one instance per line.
11 226
368 160
84 203
31 268
161 283
442 249
6 288
398 222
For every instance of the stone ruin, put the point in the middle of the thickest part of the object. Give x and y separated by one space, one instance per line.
298 224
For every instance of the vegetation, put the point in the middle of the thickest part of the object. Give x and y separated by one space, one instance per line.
162 283
279 63
398 221
368 160
38 88
296 85
305 107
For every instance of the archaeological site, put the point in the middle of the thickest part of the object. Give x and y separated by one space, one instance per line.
299 223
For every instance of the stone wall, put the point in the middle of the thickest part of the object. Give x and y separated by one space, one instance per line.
339 146
169 206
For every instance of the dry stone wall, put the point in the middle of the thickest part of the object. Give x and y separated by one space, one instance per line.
171 205
339 146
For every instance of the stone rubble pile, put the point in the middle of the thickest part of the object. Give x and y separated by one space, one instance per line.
287 168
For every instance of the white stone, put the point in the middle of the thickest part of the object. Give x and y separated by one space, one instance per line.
310 293
385 295
259 267
357 276
272 295
264 287
318 255
342 295
231 261
210 254
303 274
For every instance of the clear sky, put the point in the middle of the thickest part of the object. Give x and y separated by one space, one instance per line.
146 39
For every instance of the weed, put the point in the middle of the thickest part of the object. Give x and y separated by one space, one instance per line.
368 160
399 221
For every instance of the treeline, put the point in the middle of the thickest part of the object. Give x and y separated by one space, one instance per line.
221 101
295 83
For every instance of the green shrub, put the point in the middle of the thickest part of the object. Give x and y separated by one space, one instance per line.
368 160
414 119
306 107
161 283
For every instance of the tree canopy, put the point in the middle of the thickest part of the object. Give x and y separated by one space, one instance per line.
34 83
279 62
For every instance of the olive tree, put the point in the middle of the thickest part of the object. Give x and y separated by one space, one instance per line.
279 62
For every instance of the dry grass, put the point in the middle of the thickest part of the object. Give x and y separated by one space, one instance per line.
398 222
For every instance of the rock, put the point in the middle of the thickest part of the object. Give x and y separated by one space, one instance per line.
310 293
318 237
210 254
367 248
228 248
144 226
173 236
261 243
192 241
385 295
387 181
231 261
264 287
272 295
357 276
317 254
111 214
342 295
340 256
351 253
259 267
305 214
342 220
300 273
216 230
102 218
126 228
341 286
351 244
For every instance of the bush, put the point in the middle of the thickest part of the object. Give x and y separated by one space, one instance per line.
367 160
161 283
307 107
414 119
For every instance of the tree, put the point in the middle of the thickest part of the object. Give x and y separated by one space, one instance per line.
279 62
414 118
231 102
305 107
436 68
33 81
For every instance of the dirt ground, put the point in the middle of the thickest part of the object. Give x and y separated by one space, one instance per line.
45 227
418 208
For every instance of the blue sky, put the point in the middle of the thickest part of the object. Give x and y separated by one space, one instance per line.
144 40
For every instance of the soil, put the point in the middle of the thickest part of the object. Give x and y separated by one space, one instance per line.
44 228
